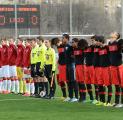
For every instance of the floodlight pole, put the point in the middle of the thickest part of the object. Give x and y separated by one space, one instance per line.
71 21
122 16
16 27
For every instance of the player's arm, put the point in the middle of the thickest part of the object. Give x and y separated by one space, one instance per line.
53 60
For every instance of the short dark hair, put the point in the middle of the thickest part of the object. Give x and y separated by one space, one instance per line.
93 37
40 38
118 35
28 40
55 41
100 39
34 39
66 36
20 39
75 40
82 43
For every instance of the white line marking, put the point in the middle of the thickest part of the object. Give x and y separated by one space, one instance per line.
24 99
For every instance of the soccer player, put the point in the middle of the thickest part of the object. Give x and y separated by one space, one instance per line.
1 72
70 70
5 67
61 77
89 69
26 67
12 50
116 69
50 67
96 63
19 64
78 47
104 72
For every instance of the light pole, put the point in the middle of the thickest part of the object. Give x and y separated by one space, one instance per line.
71 21
122 16
16 27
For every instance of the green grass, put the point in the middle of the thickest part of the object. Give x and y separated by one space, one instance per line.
38 109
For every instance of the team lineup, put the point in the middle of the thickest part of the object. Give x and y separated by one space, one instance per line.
33 66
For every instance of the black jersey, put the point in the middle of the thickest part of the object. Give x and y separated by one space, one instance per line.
79 56
61 52
104 60
115 52
69 57
88 53
96 56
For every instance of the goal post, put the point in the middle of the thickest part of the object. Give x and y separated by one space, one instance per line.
53 36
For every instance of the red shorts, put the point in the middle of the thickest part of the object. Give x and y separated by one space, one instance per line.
62 73
121 74
89 74
80 73
115 76
104 76
97 75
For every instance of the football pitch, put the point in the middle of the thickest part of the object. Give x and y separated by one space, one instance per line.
16 107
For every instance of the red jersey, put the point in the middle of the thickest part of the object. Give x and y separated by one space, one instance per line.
4 55
20 51
12 54
26 56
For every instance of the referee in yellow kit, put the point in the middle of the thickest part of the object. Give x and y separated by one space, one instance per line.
50 67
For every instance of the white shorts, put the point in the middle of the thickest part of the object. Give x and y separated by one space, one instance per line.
5 70
1 73
27 73
13 71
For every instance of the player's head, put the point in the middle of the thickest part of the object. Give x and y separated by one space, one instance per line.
11 41
20 41
82 43
48 43
55 41
93 39
100 40
28 42
65 38
75 42
59 43
40 40
115 35
4 41
33 42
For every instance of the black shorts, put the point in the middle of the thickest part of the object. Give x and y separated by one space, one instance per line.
70 72
48 71
33 70
38 69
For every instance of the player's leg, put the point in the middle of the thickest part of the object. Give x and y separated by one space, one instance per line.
82 92
115 81
1 80
32 87
61 78
6 79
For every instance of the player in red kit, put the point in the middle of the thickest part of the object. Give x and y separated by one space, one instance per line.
116 69
1 73
61 77
5 67
78 51
12 50
26 68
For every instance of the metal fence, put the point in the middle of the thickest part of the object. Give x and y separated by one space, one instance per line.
75 17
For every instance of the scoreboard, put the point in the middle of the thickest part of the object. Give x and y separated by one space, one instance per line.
28 16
